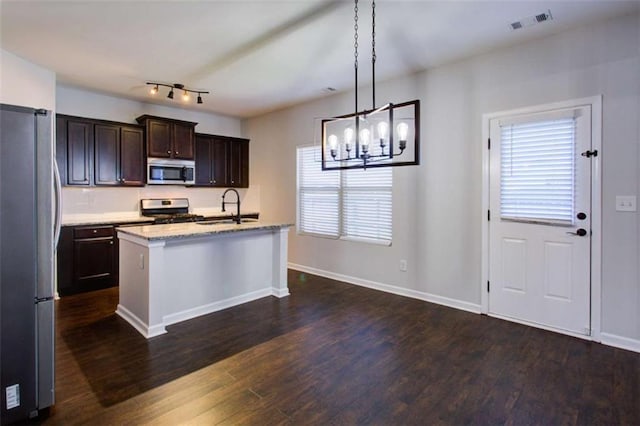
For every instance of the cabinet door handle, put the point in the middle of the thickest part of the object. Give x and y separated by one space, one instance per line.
176 153
111 242
95 231
210 181
169 152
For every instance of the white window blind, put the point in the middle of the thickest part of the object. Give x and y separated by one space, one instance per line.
538 171
366 199
318 196
352 204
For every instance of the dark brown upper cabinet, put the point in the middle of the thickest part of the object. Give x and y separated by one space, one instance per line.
169 138
74 150
107 154
132 156
222 161
98 152
119 155
239 163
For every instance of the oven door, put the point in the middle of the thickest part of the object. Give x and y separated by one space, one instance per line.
170 172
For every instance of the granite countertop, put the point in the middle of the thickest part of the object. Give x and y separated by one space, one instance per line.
132 217
174 231
103 218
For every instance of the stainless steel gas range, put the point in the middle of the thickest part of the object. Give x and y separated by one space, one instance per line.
168 210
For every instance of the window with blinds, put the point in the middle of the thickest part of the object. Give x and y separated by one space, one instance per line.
538 171
349 204
366 203
318 196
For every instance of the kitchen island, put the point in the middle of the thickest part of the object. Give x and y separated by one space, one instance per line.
175 272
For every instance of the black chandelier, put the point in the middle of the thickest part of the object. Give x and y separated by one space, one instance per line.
179 87
379 137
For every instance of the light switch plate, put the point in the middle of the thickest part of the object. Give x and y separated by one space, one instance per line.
625 203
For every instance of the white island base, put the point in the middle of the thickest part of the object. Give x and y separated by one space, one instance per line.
183 271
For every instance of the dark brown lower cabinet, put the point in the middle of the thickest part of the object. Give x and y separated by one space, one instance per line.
87 259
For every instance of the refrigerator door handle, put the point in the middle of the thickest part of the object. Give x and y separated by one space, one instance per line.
58 201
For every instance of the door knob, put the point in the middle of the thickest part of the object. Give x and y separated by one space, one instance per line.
579 232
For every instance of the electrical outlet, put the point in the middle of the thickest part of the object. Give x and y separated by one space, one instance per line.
626 203
403 265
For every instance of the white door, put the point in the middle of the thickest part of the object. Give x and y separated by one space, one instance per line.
540 216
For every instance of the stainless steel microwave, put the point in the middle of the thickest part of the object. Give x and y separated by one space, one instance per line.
162 171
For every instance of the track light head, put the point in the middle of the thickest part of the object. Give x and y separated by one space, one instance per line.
170 95
154 90
199 98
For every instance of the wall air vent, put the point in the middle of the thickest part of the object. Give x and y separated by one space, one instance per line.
531 20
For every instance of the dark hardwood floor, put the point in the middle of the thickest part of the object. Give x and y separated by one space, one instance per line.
333 353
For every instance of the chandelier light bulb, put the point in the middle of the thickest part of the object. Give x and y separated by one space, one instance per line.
403 131
333 145
333 142
364 140
383 130
348 137
364 136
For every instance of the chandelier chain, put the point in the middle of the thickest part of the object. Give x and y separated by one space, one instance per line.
355 54
373 54
373 31
355 36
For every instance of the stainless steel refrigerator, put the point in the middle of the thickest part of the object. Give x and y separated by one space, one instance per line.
29 225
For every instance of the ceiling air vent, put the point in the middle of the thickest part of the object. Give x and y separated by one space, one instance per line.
531 20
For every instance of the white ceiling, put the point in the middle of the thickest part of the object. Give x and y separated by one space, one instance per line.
261 55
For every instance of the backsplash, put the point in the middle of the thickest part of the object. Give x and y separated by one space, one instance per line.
122 201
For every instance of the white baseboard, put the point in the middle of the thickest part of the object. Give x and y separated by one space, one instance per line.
414 294
620 342
216 306
280 292
138 324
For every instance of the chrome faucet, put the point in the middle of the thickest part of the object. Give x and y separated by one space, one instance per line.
237 203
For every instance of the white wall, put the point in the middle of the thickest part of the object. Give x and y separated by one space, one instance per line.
26 84
99 200
437 212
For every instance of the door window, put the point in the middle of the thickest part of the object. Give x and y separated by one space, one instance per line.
538 171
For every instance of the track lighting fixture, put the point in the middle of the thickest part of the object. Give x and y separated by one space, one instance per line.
185 94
